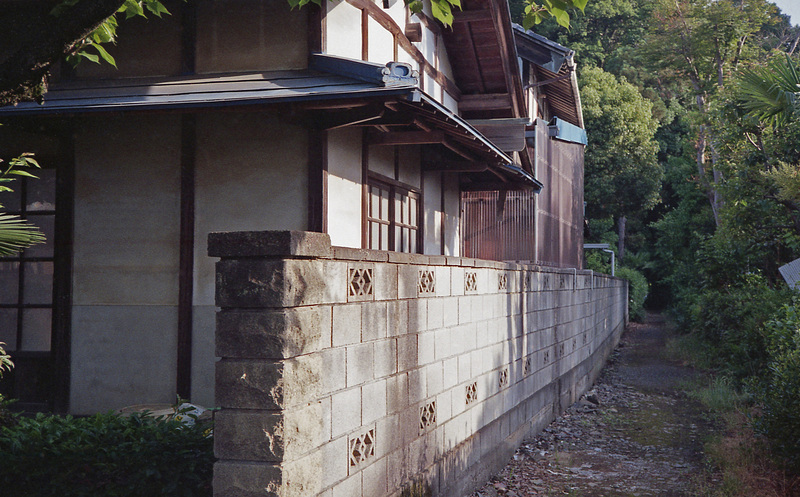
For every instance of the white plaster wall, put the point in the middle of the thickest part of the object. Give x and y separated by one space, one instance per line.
452 218
432 201
381 160
410 166
344 187
343 30
380 46
125 266
251 174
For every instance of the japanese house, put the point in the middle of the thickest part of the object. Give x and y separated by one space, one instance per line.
359 119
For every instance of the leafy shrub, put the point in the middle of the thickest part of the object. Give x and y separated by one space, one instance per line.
732 316
637 291
105 454
778 389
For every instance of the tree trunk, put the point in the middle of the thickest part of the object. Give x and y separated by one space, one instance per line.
621 222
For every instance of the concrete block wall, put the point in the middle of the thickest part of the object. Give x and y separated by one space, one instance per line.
349 372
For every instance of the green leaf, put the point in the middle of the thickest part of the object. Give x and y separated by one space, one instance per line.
580 4
104 54
442 11
92 57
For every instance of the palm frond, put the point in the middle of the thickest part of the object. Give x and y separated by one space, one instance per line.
772 93
16 234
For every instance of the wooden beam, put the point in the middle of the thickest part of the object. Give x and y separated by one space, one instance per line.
487 101
458 149
363 115
454 166
407 138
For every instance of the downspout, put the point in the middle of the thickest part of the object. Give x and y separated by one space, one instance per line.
572 66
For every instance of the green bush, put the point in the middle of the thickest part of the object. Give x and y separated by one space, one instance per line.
778 388
732 316
105 454
637 291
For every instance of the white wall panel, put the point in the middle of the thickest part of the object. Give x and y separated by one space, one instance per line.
344 187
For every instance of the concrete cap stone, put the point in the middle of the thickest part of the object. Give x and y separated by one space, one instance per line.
287 244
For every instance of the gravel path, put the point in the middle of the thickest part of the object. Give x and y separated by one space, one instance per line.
634 434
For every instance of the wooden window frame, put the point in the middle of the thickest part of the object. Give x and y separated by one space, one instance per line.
394 188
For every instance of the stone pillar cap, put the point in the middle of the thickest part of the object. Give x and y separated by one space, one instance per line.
286 244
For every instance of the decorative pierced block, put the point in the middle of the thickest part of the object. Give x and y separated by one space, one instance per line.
503 378
470 282
502 282
427 282
574 344
360 283
561 350
472 393
427 416
526 281
585 338
562 281
546 283
546 356
526 366
361 447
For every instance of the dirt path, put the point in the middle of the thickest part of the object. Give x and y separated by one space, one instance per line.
634 434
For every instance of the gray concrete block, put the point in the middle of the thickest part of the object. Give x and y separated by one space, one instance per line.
249 385
426 348
407 354
360 363
348 488
374 321
373 402
417 315
386 281
259 283
346 324
345 412
397 312
397 392
269 244
272 334
334 453
247 479
374 477
385 357
435 313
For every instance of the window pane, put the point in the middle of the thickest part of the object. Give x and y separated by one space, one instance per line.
385 205
413 242
8 328
374 240
9 282
11 200
46 225
38 285
406 243
36 330
374 202
384 237
41 195
413 207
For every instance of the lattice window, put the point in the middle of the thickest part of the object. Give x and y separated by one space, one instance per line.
470 282
502 281
393 215
361 447
503 378
359 284
427 416
427 281
472 392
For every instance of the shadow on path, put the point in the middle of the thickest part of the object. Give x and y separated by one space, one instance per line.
634 434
